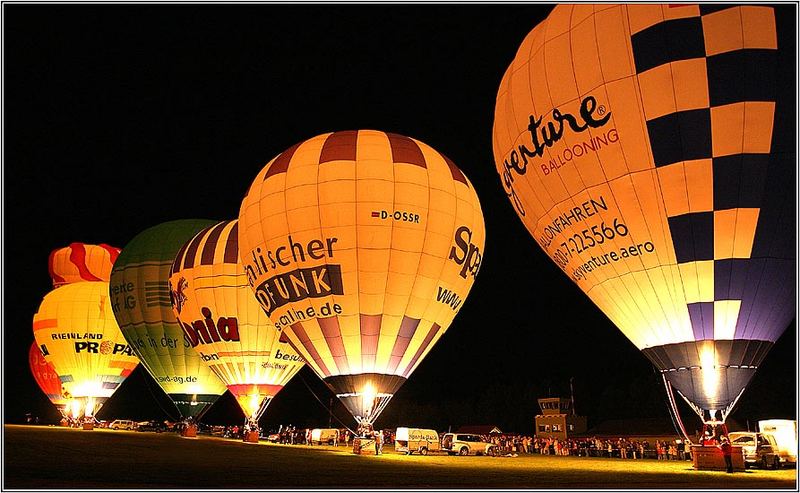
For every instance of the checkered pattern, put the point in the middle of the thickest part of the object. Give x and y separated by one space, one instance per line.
708 86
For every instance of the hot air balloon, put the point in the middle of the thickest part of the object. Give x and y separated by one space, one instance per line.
47 379
649 151
141 299
82 262
361 246
223 321
76 332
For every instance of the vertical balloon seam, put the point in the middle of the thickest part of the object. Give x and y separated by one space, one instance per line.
286 214
319 364
220 269
627 175
597 282
397 368
679 271
331 297
190 355
425 350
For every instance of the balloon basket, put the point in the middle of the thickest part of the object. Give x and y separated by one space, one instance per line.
88 426
250 437
189 432
364 446
710 458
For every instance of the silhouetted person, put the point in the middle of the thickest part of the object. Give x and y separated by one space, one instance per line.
727 450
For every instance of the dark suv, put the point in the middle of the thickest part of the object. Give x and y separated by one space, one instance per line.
156 426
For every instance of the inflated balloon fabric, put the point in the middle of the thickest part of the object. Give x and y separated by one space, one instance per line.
649 150
141 299
361 246
76 331
82 262
223 321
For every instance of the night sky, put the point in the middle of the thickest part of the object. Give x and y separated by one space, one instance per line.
120 117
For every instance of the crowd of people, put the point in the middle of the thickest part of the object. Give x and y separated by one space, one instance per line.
622 448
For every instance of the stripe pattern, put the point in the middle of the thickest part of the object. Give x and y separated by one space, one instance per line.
343 145
370 341
223 321
209 247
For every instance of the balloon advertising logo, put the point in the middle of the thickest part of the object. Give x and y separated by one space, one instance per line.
360 246
221 318
669 212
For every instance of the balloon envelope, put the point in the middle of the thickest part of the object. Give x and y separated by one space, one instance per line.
141 298
223 321
81 262
46 377
361 246
649 151
76 331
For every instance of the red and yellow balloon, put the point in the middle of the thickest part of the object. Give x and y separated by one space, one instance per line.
82 262
46 377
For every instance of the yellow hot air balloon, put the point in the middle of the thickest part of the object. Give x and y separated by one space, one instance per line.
649 150
361 246
223 321
76 330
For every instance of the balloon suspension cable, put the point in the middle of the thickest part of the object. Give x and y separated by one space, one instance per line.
251 422
674 413
725 412
302 379
694 407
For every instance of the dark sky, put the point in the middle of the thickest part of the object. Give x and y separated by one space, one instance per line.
120 117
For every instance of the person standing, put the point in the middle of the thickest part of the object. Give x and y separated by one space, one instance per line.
378 442
727 452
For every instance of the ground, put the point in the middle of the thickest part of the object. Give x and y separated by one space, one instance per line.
52 457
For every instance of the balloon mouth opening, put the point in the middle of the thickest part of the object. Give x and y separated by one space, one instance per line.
83 407
192 405
710 375
365 395
365 406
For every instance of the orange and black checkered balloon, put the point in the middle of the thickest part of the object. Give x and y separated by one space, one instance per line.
649 151
361 246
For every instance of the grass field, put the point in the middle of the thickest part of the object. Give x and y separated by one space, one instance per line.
50 457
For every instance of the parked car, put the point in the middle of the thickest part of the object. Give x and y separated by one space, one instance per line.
152 425
758 448
122 424
466 444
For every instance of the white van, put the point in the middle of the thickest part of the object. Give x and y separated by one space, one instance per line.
785 433
324 436
410 440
